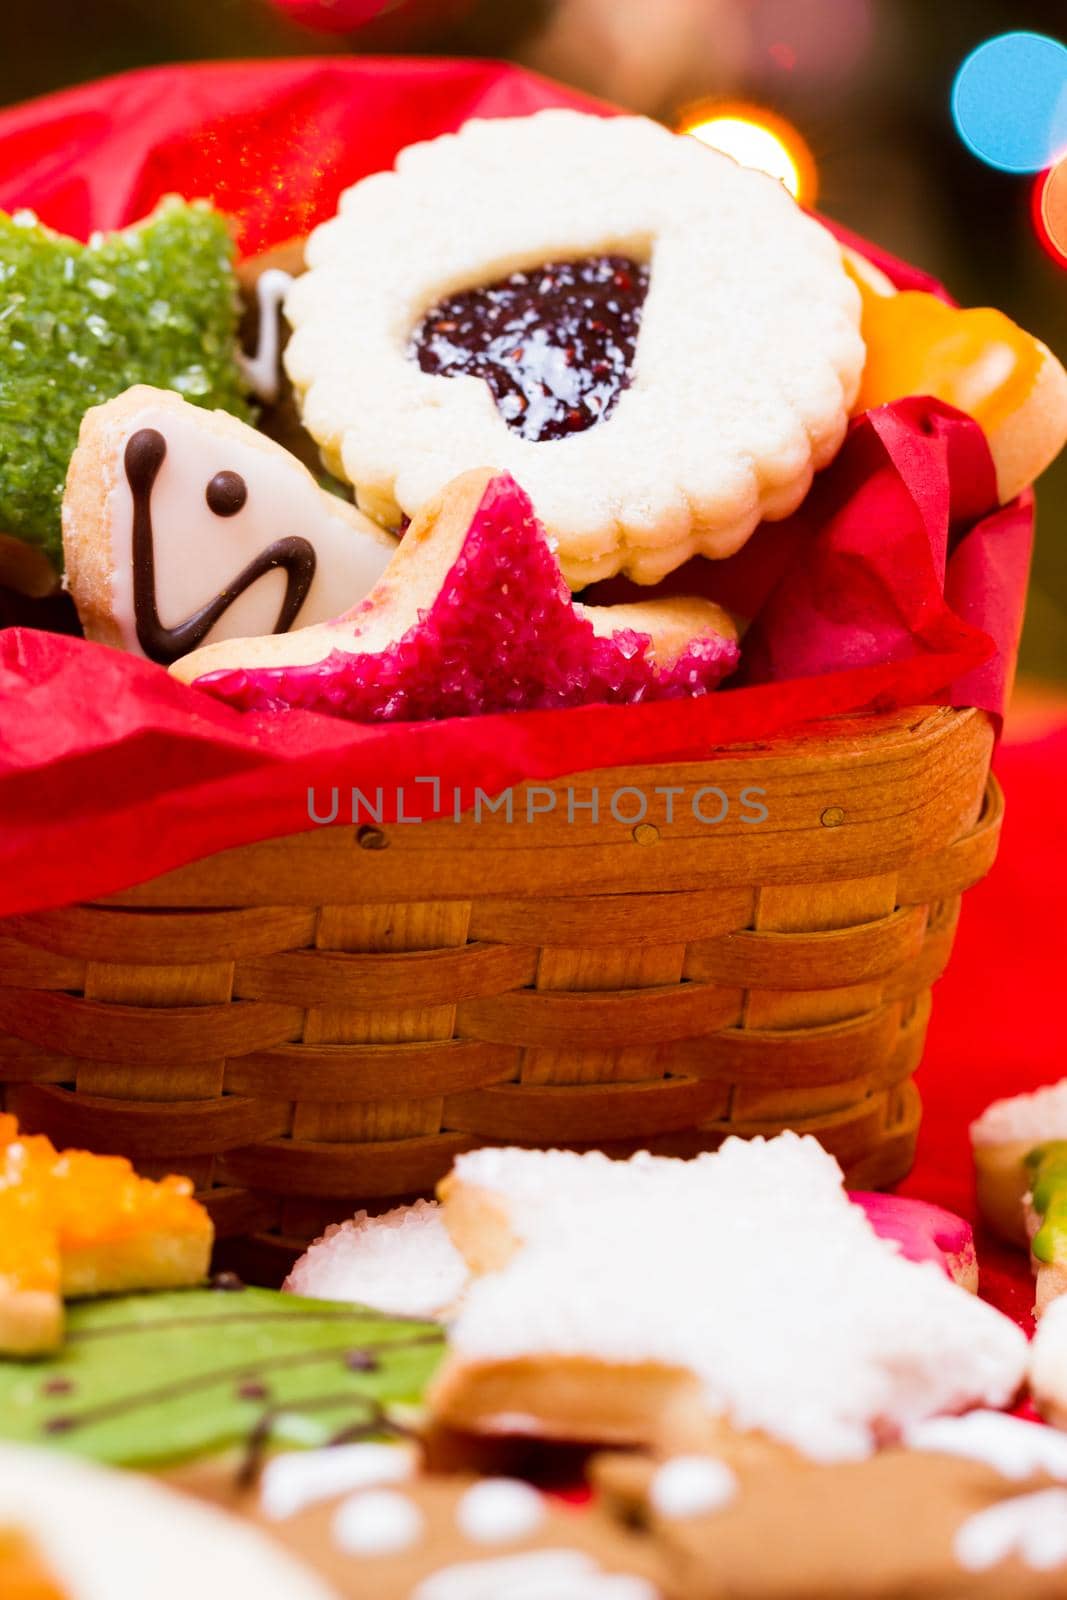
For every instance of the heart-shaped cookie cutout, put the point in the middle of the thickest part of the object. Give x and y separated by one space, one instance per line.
555 344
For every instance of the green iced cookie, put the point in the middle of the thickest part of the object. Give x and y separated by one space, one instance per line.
151 1379
1047 1168
154 304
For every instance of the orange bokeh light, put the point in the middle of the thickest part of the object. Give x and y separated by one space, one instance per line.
755 137
1050 211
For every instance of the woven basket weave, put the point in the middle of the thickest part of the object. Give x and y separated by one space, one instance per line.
323 1021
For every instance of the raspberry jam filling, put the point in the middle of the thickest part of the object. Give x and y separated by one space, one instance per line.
555 344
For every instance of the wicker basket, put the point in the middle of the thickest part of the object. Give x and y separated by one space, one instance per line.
323 1021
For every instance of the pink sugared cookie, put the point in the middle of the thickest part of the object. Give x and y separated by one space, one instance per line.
472 615
923 1232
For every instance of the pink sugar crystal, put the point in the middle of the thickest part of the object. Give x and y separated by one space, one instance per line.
503 634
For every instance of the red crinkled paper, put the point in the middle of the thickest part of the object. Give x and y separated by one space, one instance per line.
897 582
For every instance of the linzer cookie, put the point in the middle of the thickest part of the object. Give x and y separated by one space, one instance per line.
658 344
182 525
598 1316
472 615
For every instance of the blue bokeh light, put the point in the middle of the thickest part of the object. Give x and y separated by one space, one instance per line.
1009 101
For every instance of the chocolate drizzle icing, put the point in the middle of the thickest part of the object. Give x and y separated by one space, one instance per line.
226 494
145 453
370 1418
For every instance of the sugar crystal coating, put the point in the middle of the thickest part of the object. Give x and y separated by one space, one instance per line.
502 634
1039 1116
403 1262
81 323
747 1267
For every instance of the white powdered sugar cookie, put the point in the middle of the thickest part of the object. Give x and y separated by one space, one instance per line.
182 525
742 358
654 1300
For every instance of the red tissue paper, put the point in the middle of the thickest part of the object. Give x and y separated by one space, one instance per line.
898 581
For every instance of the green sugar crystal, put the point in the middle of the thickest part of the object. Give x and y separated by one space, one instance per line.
80 323
150 1379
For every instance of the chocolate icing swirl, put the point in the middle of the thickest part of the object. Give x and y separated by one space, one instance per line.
145 454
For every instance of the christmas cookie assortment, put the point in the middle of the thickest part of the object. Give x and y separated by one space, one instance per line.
485 443
380 514
432 1444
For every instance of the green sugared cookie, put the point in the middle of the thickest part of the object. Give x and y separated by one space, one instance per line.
154 304
150 1379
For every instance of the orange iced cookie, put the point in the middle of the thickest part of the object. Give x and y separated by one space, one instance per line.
22 1576
976 360
74 1224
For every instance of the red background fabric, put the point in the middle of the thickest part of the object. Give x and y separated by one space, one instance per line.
110 772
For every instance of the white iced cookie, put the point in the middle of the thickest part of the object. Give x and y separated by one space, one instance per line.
182 525
1048 1364
646 427
644 1301
402 1262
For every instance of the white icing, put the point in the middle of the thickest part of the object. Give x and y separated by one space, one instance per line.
403 1262
198 554
1032 1527
380 1522
692 1486
536 1575
1011 1446
263 370
1040 1115
498 1510
833 1343
119 1536
299 1478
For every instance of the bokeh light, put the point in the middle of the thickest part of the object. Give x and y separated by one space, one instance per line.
756 137
1009 101
1050 211
823 44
